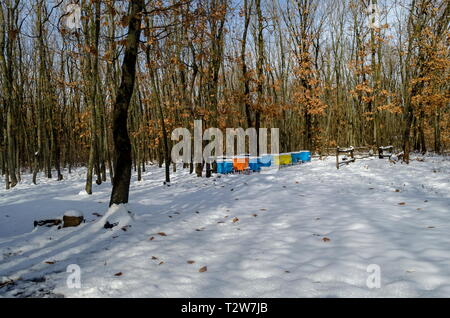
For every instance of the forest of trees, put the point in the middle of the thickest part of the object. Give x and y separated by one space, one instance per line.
108 95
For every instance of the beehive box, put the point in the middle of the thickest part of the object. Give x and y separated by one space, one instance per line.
283 159
254 164
265 161
224 166
240 163
296 157
305 155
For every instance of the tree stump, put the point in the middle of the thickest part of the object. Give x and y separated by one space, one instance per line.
72 218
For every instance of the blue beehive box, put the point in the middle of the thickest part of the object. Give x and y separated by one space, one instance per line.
224 166
220 166
254 164
305 156
228 166
296 157
265 161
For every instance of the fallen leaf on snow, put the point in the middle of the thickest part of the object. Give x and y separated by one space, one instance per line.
235 220
326 239
162 234
118 274
203 269
50 262
190 262
402 203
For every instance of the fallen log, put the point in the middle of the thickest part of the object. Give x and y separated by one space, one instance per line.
47 223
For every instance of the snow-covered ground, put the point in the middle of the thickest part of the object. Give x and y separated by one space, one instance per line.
306 231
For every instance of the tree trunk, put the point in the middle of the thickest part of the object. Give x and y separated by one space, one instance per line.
122 151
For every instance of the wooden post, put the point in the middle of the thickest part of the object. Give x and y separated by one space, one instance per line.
337 158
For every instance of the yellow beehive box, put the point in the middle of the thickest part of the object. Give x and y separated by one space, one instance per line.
283 159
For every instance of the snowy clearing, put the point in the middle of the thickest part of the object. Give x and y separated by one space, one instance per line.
306 231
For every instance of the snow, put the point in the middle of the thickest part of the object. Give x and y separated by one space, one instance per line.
305 231
73 213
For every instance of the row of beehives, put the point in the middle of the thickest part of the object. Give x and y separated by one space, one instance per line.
255 164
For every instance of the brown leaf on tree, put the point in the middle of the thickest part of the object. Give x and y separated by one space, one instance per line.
203 269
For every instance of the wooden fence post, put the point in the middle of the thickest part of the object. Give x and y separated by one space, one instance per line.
337 158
